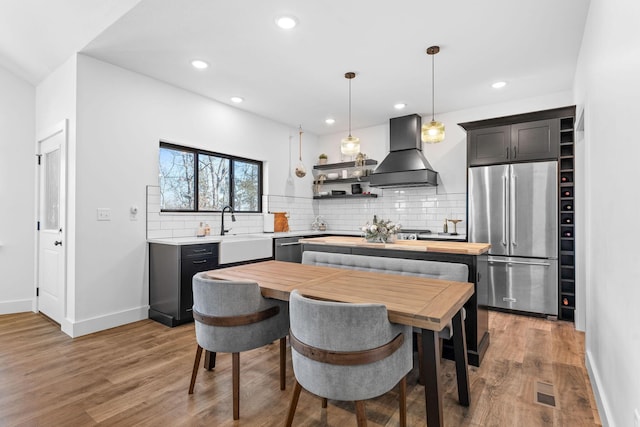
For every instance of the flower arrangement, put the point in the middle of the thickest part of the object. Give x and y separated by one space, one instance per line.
380 231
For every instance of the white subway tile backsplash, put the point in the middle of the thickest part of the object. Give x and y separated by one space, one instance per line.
159 234
412 207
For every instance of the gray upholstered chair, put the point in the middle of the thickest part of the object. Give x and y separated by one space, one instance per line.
348 352
231 317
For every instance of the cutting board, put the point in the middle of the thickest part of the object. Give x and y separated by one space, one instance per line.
280 222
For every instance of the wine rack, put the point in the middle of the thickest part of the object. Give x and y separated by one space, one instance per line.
566 194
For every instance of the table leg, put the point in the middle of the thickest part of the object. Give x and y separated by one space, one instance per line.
460 353
432 387
209 360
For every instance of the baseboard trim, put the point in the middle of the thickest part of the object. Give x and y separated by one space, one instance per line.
16 306
603 406
100 323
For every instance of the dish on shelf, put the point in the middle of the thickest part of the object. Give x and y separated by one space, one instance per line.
332 175
357 173
323 193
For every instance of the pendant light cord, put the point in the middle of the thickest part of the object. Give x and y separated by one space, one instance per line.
349 108
433 89
300 144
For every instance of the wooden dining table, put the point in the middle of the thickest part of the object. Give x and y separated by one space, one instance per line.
428 304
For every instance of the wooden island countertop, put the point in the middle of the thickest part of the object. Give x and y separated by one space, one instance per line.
406 245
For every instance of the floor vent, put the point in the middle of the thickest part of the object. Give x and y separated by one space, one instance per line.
545 394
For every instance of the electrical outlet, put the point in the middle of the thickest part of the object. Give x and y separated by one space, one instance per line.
636 418
104 214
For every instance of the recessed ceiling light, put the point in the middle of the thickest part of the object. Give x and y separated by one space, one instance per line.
199 64
400 106
330 121
286 22
498 85
237 99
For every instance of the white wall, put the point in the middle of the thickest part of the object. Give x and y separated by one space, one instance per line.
607 86
17 180
422 207
448 158
55 102
121 118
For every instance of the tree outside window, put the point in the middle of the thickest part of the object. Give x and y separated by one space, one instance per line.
218 180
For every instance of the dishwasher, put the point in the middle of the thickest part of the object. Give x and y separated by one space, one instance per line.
288 249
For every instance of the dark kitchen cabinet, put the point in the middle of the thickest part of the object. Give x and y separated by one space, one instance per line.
567 205
539 135
535 140
171 270
488 146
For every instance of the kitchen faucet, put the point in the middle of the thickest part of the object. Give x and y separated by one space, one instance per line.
233 218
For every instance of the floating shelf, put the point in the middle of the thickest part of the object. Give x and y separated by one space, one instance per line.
367 162
343 180
345 196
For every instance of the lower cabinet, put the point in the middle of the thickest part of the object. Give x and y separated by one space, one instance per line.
477 321
171 269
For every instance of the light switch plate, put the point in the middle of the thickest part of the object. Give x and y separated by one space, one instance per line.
104 214
133 213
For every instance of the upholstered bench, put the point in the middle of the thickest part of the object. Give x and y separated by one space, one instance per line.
406 267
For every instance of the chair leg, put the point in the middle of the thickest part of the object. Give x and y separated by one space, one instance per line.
209 360
294 402
324 402
403 402
235 367
283 362
361 416
195 369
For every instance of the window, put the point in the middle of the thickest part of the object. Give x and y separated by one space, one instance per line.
194 180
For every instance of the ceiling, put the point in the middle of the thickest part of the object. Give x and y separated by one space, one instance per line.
296 77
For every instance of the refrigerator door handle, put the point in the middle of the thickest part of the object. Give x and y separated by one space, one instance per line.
505 207
497 261
514 183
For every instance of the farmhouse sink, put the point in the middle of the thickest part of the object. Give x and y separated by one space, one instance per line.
244 247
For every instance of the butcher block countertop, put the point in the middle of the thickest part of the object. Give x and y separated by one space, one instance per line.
404 245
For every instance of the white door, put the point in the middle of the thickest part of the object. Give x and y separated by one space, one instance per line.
51 218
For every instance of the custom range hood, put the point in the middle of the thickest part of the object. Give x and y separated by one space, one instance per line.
405 165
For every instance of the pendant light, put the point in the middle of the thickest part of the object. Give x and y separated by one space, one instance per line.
301 171
434 131
350 146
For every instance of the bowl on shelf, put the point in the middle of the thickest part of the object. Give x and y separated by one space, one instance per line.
333 175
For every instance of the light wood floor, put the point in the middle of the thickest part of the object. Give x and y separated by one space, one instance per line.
138 374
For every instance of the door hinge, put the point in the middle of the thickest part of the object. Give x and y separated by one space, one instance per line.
37 292
39 156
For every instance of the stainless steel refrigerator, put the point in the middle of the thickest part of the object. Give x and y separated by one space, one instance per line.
515 208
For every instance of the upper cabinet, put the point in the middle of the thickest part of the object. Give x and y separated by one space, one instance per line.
537 140
519 138
488 146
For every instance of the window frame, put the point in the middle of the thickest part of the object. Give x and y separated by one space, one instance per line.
196 178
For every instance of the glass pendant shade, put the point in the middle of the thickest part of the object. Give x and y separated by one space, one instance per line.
350 146
433 132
